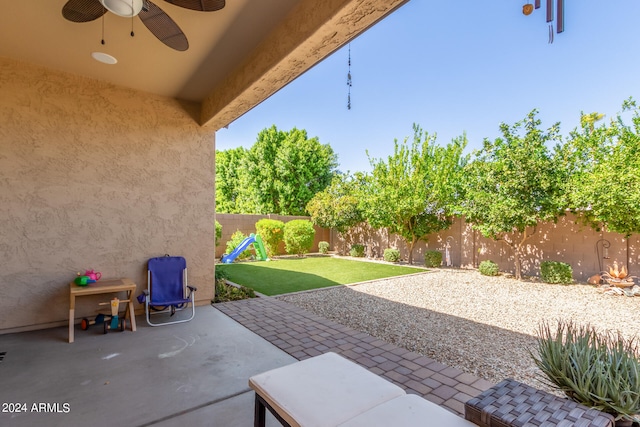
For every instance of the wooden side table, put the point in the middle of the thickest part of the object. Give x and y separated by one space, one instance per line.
101 287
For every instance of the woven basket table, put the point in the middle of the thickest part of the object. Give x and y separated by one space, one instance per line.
511 403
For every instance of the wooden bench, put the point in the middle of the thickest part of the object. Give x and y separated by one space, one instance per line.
513 404
329 390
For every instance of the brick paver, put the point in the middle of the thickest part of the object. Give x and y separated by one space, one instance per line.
303 334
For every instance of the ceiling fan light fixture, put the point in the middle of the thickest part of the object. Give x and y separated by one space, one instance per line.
105 58
124 8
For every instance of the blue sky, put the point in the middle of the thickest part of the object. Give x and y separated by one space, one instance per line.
454 67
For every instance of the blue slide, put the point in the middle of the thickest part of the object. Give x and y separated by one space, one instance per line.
228 259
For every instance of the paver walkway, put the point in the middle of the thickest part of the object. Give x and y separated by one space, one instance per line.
303 334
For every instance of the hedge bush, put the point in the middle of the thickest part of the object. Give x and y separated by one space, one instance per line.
298 236
272 233
488 268
236 239
556 272
323 247
224 292
220 273
391 255
432 259
357 250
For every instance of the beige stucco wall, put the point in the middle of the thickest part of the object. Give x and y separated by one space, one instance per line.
95 176
566 240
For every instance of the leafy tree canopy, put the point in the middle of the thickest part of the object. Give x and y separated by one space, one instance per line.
515 182
337 206
605 165
231 180
279 174
412 192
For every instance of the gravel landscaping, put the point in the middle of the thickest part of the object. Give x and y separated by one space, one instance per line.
478 324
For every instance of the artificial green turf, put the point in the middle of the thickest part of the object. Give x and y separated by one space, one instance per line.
282 276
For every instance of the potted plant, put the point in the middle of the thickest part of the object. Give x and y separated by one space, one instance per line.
600 370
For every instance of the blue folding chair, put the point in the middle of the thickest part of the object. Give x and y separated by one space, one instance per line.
167 289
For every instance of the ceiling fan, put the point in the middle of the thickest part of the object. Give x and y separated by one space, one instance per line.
155 19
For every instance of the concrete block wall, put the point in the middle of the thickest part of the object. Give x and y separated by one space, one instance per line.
567 240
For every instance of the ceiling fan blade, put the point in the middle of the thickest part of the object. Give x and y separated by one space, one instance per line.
83 10
163 27
199 5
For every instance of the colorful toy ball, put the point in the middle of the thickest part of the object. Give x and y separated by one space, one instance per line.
83 280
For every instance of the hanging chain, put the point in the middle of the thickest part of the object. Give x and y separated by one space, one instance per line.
132 33
102 41
349 83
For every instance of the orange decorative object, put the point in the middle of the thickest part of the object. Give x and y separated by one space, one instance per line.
618 273
527 9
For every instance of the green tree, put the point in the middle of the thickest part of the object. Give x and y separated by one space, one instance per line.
515 182
286 169
338 205
413 191
231 180
605 183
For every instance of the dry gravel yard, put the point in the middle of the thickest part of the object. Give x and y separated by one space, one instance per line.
481 325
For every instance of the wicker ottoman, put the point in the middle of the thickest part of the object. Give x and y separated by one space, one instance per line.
511 403
331 391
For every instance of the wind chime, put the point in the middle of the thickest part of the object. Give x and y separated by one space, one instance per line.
349 80
528 8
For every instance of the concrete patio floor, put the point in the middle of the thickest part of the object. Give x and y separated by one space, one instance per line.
188 374
194 373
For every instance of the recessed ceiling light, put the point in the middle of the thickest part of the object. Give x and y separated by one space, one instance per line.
104 57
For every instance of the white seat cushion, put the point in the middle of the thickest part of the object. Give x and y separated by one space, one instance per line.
407 411
322 391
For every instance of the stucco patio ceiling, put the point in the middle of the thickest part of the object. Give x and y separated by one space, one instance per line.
237 56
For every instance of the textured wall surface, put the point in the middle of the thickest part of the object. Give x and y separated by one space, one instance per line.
95 176
566 241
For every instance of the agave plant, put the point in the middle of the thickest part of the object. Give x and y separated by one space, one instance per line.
600 370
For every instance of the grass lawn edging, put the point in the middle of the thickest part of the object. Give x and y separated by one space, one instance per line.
296 274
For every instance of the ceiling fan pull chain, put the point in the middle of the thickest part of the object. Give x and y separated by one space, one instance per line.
132 34
102 41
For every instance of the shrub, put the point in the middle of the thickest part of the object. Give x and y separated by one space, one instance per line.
323 247
432 259
221 273
272 232
598 370
488 268
298 236
218 233
236 239
226 292
357 250
556 272
391 255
